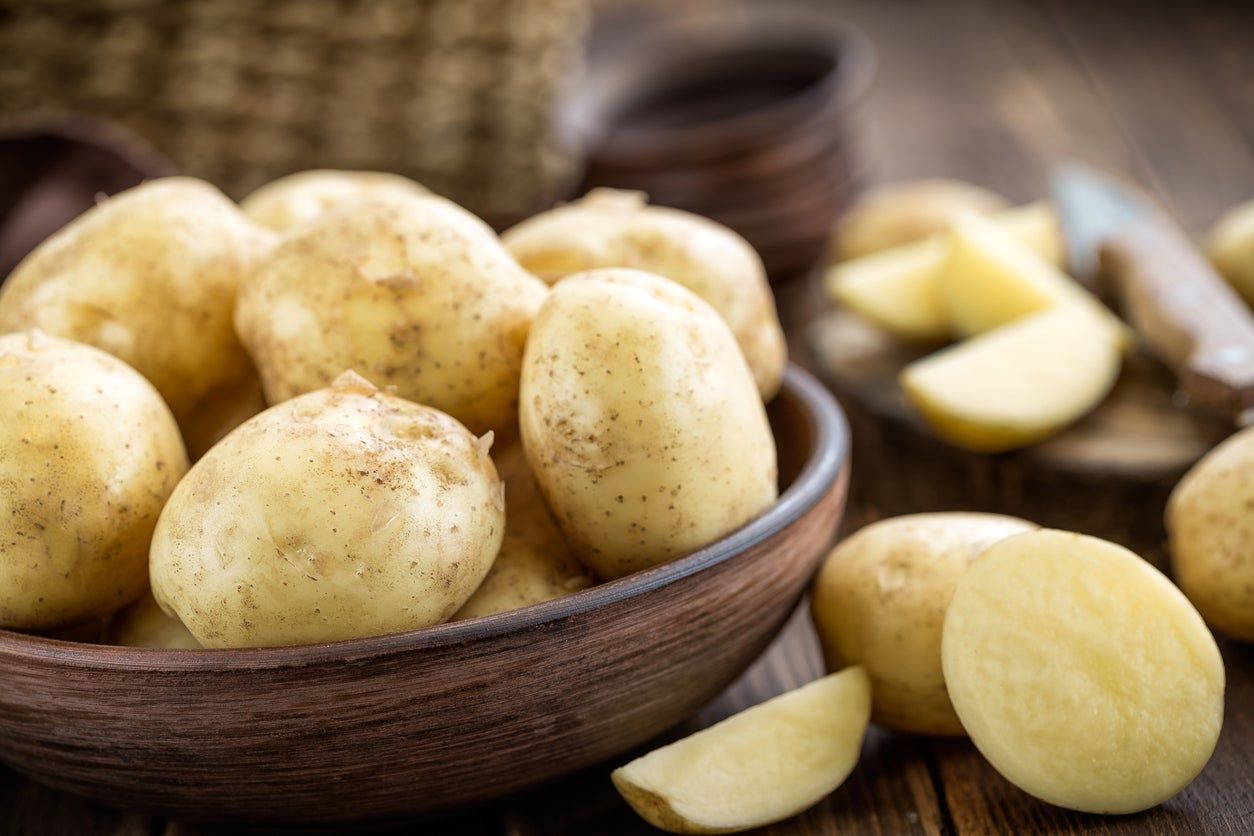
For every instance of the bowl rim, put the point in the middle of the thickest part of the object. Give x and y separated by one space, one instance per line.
822 468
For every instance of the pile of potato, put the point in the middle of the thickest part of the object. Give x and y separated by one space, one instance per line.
456 426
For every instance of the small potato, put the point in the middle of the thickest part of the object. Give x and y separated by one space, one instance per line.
1231 248
413 292
534 564
88 455
1081 673
145 624
149 276
880 599
1210 520
286 203
609 228
340 514
641 421
900 213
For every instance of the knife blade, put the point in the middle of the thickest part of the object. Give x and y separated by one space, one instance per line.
1119 240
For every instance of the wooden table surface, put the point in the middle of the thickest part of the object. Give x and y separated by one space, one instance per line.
992 91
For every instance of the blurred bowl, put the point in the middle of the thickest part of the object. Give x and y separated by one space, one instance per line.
376 730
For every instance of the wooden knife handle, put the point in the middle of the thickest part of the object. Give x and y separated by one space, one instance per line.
1188 315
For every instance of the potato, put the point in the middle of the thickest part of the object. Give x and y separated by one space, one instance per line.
763 765
879 602
1231 248
1081 673
145 624
991 279
899 289
1018 384
340 514
216 417
534 563
88 455
149 276
412 292
1210 521
900 213
641 421
609 228
286 203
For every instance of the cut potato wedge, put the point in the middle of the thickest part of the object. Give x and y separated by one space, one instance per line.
898 289
763 765
1082 674
991 278
1018 384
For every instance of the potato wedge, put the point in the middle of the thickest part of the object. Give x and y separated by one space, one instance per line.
760 766
1082 674
1018 384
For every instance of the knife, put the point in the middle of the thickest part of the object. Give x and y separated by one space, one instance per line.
1119 240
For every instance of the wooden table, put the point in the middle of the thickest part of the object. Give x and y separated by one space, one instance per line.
992 91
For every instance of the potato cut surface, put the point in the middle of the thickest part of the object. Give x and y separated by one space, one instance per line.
760 766
1082 674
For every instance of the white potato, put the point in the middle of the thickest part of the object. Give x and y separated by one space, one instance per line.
150 276
413 292
339 514
1210 519
641 421
288 202
761 766
88 455
1081 673
879 602
609 228
1231 248
145 624
899 213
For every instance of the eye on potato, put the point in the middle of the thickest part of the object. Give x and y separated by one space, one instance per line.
343 513
411 291
880 599
1210 522
609 228
149 276
88 455
286 203
641 421
534 564
145 624
1082 674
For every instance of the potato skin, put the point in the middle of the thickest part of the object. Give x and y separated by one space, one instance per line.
641 421
609 228
145 624
288 202
340 514
88 455
412 292
534 564
1210 523
880 599
1230 246
150 276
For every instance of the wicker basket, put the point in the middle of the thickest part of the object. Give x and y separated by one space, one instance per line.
456 93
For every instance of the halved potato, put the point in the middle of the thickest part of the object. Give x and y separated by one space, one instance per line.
763 765
1082 674
1018 384
991 278
898 289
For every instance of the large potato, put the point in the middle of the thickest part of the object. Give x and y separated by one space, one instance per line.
149 276
641 421
880 599
412 292
534 564
1210 520
286 203
608 228
340 514
88 455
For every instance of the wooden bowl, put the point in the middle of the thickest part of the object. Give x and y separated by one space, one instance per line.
371 731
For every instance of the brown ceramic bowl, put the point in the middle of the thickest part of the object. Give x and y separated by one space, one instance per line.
424 723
